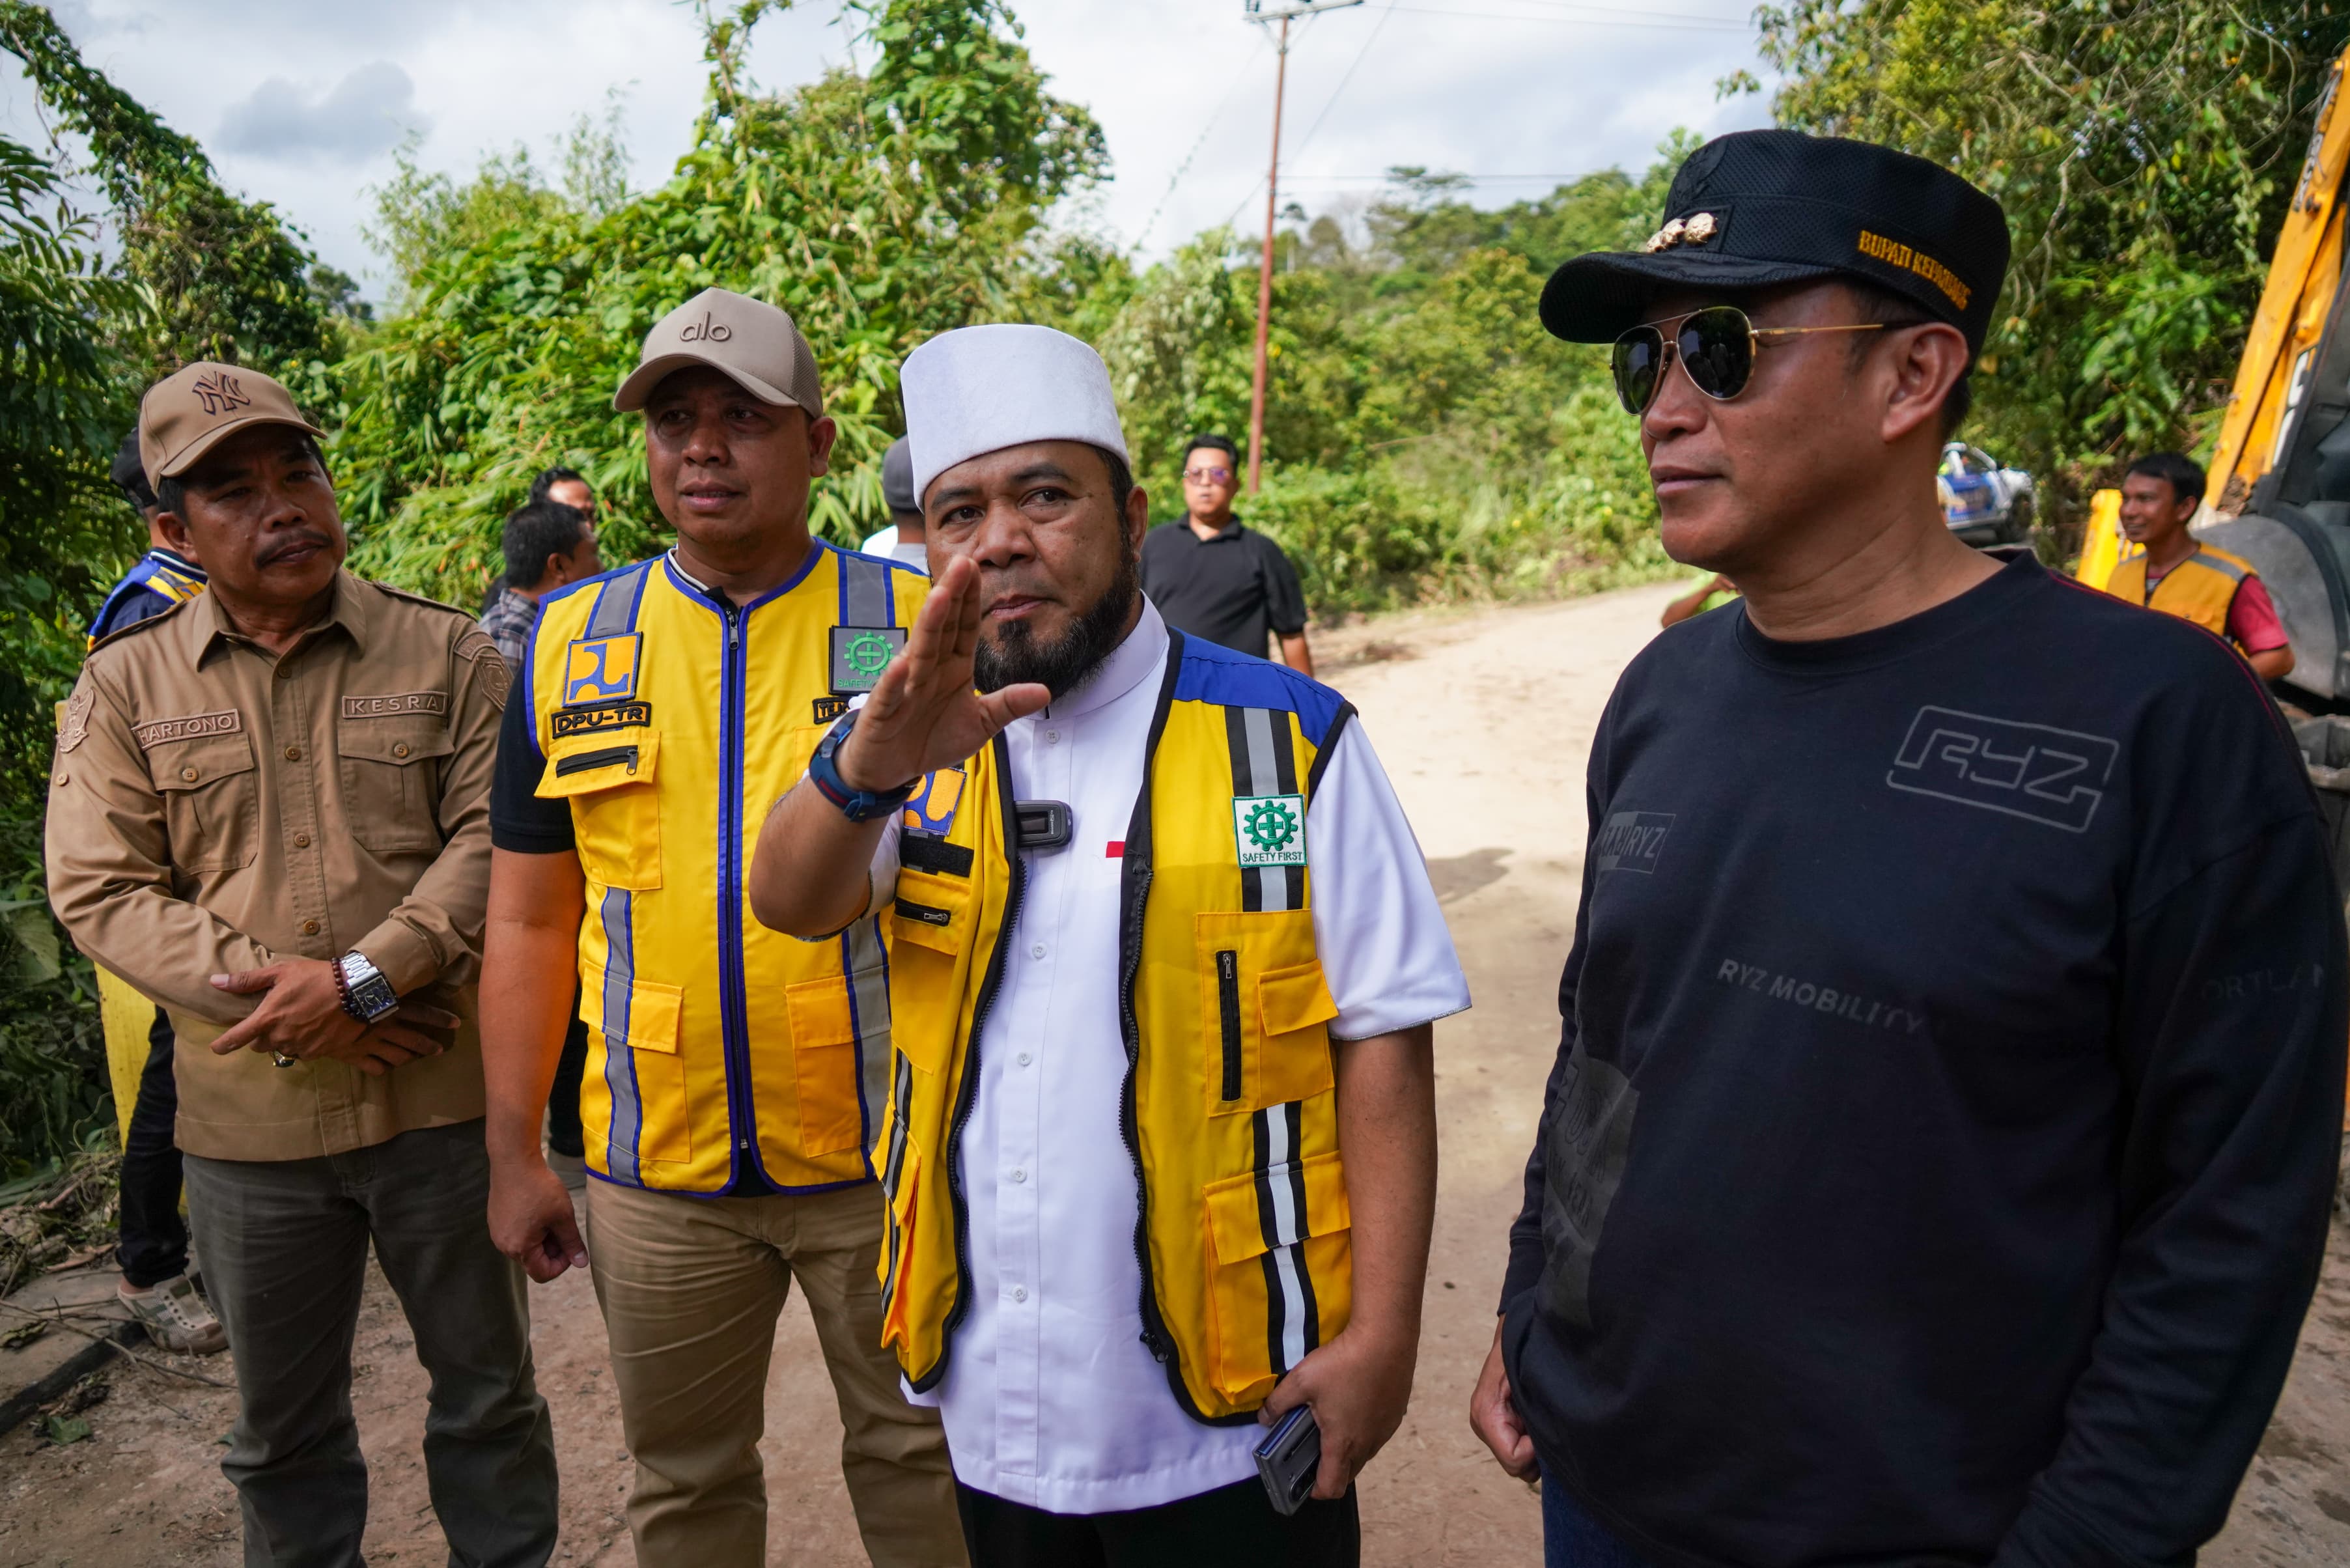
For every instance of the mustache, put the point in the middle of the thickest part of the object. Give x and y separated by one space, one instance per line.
307 538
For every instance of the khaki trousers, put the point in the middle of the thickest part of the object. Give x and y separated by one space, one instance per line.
691 1289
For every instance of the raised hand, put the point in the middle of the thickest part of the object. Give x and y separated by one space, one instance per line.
924 713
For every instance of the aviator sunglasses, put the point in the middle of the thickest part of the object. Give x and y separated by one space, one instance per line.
1716 346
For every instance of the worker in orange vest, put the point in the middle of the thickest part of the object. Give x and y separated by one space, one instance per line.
2173 572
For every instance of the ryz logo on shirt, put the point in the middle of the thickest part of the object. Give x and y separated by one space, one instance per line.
1632 840
2032 770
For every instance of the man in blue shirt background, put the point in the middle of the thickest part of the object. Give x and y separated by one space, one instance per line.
163 578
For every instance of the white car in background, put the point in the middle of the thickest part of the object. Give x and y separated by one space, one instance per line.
1983 503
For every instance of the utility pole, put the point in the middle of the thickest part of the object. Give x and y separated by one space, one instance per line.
1257 12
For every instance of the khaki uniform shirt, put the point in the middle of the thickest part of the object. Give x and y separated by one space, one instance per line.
213 807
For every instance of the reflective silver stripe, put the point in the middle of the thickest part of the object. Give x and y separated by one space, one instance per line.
1274 882
869 989
615 602
864 591
1282 1218
619 1061
901 1100
2227 570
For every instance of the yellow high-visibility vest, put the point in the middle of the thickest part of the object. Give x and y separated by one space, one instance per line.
1243 1238
2201 588
670 721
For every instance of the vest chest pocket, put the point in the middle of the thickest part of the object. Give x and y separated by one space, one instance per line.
391 781
1266 1009
1281 1274
610 781
930 925
212 800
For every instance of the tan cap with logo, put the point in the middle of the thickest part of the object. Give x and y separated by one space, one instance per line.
745 338
189 412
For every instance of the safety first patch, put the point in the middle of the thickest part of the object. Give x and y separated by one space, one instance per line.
1269 829
860 655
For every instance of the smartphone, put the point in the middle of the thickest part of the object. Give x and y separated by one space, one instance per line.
1288 1458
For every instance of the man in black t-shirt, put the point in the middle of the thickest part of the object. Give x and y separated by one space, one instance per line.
1937 1162
1211 578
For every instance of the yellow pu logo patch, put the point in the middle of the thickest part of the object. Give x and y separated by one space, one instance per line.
601 670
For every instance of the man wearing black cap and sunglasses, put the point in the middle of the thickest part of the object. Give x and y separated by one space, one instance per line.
1937 1161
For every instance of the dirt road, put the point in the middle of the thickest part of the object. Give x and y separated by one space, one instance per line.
1483 722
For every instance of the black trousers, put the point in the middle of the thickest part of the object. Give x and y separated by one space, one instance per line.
152 1239
564 1133
1232 1527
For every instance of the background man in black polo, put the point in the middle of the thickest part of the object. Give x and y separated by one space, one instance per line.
1210 577
1937 1163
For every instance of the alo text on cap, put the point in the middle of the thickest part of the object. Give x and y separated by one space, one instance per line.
749 341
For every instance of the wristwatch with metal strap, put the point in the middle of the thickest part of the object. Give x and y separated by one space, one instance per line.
366 994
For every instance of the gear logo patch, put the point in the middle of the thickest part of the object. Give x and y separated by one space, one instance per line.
1269 829
860 655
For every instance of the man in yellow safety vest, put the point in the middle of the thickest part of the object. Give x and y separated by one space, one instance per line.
2174 572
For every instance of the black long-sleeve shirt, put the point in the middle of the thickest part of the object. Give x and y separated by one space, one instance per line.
1937 1165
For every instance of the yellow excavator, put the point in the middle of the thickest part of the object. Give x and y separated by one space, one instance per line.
2280 486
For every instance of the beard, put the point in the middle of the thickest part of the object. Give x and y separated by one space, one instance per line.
1014 655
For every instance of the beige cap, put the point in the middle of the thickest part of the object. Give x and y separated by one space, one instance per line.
746 339
189 412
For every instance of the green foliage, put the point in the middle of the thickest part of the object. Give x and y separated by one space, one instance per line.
64 399
64 534
1424 436
880 210
2143 153
227 279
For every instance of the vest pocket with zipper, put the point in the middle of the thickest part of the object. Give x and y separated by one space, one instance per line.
1280 1266
609 780
643 1073
1266 1008
390 781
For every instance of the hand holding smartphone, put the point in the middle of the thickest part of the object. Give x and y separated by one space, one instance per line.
1289 1458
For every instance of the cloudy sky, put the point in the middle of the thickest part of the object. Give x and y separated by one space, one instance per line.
300 102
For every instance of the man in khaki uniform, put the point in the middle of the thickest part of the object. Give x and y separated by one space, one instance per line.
269 812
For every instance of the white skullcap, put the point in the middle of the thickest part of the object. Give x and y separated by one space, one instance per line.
979 389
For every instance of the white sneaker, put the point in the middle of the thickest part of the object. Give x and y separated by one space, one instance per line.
176 1317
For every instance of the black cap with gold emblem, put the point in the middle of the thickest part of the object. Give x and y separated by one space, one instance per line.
1761 208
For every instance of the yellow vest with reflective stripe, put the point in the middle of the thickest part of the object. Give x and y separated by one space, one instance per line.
2201 588
719 1051
1243 1234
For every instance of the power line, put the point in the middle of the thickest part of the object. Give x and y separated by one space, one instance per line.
1331 102
1643 12
1610 19
1215 116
